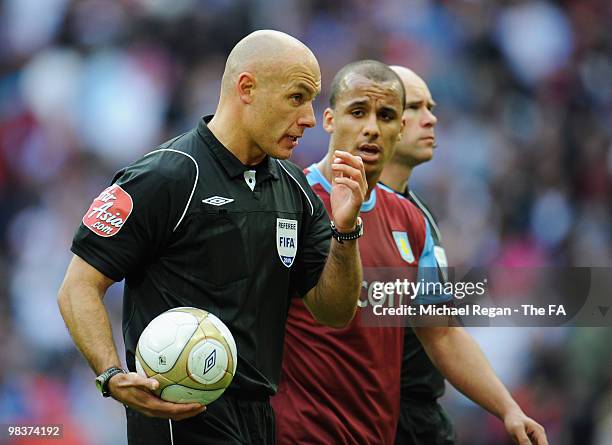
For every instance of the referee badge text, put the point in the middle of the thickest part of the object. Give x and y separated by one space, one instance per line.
286 240
109 211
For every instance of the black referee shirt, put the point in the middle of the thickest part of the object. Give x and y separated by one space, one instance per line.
193 226
420 379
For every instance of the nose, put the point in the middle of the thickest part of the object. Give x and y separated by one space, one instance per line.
429 119
370 128
307 119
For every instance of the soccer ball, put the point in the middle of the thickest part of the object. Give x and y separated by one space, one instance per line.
190 352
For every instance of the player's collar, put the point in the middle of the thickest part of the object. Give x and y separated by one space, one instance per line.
316 177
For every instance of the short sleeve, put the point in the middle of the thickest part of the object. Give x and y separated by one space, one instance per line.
133 219
313 248
432 289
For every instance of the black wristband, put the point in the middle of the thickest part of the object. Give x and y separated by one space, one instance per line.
103 379
341 237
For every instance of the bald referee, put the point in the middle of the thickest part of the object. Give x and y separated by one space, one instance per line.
218 219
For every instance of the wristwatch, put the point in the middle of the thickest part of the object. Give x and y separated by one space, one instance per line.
341 237
102 379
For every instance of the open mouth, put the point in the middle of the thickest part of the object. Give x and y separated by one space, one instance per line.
369 152
293 140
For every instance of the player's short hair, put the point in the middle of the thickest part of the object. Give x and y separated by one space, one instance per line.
370 69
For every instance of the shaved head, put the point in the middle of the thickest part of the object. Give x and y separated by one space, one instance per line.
418 137
368 69
262 53
409 78
268 86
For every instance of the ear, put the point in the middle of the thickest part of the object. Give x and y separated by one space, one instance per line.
402 126
328 120
245 87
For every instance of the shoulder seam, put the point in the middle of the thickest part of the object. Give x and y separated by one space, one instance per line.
195 183
172 141
299 185
427 213
393 192
418 204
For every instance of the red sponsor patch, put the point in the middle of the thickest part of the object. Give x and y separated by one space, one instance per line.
109 211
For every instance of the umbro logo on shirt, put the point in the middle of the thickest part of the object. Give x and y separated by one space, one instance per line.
217 200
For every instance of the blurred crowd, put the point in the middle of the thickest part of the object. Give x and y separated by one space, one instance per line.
522 175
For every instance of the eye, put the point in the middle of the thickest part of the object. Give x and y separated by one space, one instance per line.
357 113
297 99
387 114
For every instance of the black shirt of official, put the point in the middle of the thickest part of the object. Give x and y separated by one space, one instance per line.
420 379
204 232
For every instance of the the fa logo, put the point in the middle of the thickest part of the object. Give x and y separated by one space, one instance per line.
162 360
286 240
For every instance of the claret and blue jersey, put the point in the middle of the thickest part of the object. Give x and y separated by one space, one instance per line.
396 234
343 385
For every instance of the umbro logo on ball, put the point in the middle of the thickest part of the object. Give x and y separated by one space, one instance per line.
210 361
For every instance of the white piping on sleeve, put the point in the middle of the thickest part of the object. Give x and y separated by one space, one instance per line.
195 183
299 185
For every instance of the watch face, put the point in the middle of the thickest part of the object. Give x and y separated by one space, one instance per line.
99 383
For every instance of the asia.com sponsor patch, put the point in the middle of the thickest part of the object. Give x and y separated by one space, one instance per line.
109 211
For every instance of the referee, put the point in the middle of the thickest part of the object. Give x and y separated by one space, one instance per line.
217 218
422 419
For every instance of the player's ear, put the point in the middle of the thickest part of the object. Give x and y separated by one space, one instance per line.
245 87
328 120
401 132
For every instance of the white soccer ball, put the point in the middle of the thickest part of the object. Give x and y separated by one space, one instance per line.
190 352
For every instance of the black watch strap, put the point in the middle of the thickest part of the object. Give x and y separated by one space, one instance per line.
341 237
103 379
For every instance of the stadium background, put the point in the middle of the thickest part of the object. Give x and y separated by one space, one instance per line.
522 175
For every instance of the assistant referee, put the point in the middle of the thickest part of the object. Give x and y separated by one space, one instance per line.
422 419
218 219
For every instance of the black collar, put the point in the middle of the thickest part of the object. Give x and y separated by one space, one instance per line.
405 193
231 164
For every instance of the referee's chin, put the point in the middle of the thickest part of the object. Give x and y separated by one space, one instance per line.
424 154
281 153
413 160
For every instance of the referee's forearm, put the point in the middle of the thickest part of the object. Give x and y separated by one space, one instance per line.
90 328
334 299
80 303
